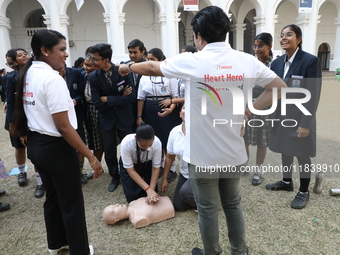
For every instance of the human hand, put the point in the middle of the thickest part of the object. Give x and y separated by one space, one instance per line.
103 99
152 197
23 140
139 121
165 186
127 91
97 167
165 112
302 132
123 69
243 127
74 102
5 107
165 103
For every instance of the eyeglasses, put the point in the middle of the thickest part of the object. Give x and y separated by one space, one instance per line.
10 64
287 35
95 59
260 46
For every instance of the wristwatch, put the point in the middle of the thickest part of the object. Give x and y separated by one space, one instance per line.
129 64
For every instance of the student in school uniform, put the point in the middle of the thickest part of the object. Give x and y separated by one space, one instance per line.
184 195
115 107
151 92
298 69
140 164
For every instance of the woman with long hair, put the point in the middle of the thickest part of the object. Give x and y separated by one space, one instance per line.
45 114
17 59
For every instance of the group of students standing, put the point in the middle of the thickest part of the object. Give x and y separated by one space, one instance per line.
298 69
96 110
117 105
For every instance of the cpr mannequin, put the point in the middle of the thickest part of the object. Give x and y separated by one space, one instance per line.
139 212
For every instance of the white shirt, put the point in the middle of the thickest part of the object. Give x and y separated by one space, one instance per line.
46 93
157 86
289 62
128 152
220 67
175 146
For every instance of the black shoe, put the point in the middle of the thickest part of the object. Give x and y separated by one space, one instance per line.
113 185
4 207
171 176
39 191
2 192
300 200
22 179
83 178
197 251
256 180
280 185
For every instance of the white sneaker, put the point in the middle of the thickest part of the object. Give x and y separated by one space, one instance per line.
91 249
55 251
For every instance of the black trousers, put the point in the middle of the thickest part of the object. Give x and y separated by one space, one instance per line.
58 166
110 140
184 195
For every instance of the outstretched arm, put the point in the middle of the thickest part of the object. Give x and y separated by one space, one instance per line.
149 68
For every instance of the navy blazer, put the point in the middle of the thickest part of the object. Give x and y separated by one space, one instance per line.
304 72
116 104
11 84
76 86
139 76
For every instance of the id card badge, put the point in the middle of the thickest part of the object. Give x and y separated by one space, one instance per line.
163 89
120 86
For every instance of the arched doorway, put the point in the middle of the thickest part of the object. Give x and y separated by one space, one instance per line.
323 55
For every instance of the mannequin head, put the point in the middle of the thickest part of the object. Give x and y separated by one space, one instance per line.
114 213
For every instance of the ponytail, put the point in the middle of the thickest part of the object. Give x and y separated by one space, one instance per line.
20 120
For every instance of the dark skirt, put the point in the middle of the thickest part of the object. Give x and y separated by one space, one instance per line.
284 140
161 125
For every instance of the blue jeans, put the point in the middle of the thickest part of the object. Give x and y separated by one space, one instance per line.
206 191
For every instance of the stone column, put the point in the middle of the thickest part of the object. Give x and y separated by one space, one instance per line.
162 22
239 35
108 29
335 62
259 22
116 26
54 15
170 35
5 40
308 23
64 30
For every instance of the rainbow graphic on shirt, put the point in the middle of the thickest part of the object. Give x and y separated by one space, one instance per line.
211 94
